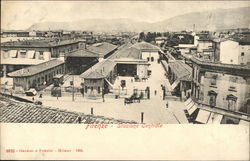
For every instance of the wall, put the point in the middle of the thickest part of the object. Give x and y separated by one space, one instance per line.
204 45
38 80
142 70
223 83
146 54
246 56
229 52
95 84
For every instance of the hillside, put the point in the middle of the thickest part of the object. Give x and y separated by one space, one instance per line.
207 20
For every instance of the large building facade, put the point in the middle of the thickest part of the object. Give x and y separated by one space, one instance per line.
222 88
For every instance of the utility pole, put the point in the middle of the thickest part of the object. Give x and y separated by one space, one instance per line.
73 92
142 117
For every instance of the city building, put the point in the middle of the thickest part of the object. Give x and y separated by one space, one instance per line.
220 93
160 40
233 52
148 51
18 54
131 60
180 77
37 76
78 61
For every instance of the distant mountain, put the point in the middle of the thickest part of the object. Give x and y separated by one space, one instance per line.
218 19
208 20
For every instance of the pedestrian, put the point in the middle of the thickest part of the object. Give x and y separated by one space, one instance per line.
167 105
41 95
33 99
155 92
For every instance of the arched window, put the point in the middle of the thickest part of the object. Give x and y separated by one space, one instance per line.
212 100
231 99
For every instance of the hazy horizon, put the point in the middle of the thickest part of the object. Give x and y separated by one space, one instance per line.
20 15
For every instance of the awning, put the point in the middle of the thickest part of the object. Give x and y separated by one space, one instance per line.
13 53
109 83
30 54
190 105
245 123
203 116
187 102
215 118
192 109
175 84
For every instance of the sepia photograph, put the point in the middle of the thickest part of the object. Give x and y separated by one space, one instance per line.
123 66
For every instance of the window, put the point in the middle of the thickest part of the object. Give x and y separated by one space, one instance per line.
242 54
231 99
233 79
99 90
213 80
22 54
212 99
231 60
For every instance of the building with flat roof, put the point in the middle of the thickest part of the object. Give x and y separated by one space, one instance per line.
18 54
220 93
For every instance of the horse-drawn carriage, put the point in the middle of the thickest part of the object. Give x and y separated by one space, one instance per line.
133 98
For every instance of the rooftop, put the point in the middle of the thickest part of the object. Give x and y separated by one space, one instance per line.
102 48
99 70
145 46
19 112
127 52
81 53
21 61
38 43
234 68
32 70
182 70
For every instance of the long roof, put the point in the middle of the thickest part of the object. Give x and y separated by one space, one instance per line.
182 70
39 43
32 70
82 53
99 70
102 49
19 112
145 46
128 52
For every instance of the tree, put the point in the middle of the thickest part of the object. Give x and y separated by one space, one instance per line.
142 36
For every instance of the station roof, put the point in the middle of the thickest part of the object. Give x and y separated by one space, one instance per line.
182 70
82 53
32 70
102 49
146 46
127 52
99 70
16 112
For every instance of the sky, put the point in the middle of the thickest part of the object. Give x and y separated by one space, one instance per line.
19 15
